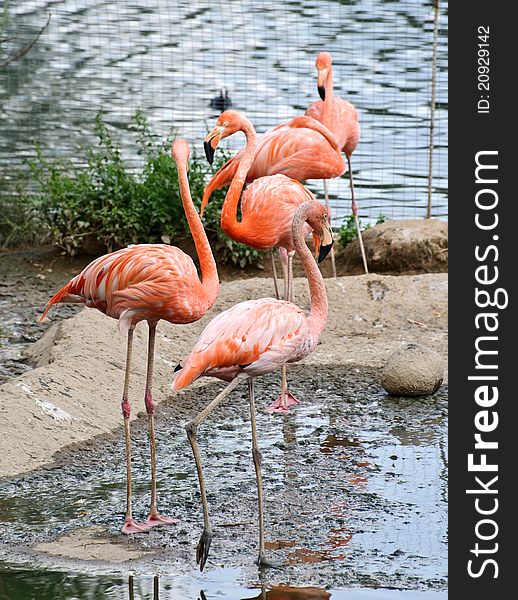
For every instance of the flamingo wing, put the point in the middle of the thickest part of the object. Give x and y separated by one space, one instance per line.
145 281
255 337
343 122
301 149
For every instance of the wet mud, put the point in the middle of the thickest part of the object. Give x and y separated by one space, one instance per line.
27 280
354 482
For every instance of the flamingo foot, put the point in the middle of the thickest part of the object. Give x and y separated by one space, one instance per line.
283 402
202 550
130 526
155 519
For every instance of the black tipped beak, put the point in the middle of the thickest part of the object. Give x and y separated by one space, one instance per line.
209 152
324 251
322 92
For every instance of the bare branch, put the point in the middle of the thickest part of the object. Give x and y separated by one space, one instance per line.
23 51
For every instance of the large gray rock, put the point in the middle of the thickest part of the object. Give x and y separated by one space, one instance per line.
412 370
411 246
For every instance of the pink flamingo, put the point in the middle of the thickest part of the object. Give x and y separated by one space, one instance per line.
253 338
340 117
267 208
301 149
149 282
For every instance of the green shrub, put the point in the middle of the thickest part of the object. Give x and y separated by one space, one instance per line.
20 222
347 232
104 200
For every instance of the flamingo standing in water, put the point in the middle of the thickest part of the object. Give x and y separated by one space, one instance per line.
340 117
267 208
149 282
253 338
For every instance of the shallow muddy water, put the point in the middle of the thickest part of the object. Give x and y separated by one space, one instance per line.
21 585
355 500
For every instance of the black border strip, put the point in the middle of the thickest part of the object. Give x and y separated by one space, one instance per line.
472 131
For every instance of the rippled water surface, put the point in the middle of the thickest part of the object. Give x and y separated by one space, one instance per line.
58 586
171 58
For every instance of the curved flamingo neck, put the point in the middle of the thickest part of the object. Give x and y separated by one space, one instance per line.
229 222
209 271
317 317
327 111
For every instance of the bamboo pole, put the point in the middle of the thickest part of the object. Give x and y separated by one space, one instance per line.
432 108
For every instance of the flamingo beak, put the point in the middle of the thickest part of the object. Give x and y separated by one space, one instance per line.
326 242
321 83
211 143
324 251
209 152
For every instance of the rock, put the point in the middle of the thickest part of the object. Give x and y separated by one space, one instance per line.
412 370
411 246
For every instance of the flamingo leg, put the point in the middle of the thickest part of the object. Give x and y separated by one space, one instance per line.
283 256
286 398
290 276
257 457
130 526
274 275
354 208
154 518
202 550
328 207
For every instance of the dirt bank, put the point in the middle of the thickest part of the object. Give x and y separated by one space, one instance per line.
73 393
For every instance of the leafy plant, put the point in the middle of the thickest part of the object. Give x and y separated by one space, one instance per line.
103 200
239 255
20 221
347 232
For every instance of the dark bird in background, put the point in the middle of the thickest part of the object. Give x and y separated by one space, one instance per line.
221 102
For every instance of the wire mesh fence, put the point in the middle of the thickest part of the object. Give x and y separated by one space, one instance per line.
172 59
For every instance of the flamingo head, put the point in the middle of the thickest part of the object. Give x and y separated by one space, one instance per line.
323 65
322 232
180 152
227 124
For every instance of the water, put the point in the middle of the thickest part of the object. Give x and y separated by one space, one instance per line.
59 586
355 497
170 59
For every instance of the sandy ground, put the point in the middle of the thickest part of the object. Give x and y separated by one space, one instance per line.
73 394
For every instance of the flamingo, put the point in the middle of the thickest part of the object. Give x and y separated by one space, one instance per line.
253 338
340 117
267 208
302 149
148 282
